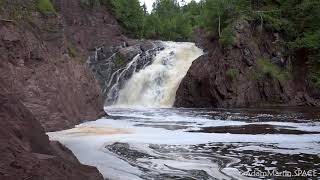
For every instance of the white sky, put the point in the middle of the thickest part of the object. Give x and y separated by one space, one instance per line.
150 2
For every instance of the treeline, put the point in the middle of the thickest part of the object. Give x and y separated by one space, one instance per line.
171 20
297 21
168 20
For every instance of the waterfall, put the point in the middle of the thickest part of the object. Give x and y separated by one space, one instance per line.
156 84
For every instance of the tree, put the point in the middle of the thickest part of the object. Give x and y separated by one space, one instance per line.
144 8
218 13
130 14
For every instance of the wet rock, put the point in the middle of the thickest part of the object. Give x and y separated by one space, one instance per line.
254 129
247 56
114 65
103 114
130 52
145 46
124 151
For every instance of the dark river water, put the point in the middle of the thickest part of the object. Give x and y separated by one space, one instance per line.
169 143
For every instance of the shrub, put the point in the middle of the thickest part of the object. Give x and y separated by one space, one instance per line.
45 7
72 52
90 3
227 39
315 78
271 70
233 73
314 74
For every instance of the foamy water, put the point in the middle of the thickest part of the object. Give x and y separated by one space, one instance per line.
143 140
155 143
156 85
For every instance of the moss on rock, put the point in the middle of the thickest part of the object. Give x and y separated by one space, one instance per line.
268 69
233 73
45 7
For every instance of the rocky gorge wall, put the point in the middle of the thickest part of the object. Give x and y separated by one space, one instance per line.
46 84
43 57
254 71
25 149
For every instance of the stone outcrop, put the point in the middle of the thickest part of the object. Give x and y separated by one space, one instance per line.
25 150
253 72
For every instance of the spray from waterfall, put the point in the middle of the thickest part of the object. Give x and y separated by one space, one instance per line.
156 84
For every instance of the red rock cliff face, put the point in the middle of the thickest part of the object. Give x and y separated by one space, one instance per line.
43 57
25 150
45 85
233 77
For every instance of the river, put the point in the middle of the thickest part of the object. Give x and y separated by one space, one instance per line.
146 138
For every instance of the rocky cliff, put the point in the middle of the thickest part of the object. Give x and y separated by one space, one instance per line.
25 150
254 71
45 78
43 57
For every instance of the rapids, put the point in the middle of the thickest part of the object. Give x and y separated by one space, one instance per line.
145 138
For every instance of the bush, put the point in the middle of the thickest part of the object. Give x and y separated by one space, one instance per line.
72 52
233 73
315 78
45 7
1 4
90 3
226 39
271 70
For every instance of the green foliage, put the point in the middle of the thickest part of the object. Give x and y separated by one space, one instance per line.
45 7
309 40
297 22
314 74
1 3
130 15
216 12
315 78
72 52
120 61
167 21
233 73
152 27
227 38
172 22
271 70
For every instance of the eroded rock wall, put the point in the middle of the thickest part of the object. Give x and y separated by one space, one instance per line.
25 150
44 59
255 71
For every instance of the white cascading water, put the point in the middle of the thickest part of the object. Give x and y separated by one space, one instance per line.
156 85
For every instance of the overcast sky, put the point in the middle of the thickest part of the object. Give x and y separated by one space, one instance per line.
150 2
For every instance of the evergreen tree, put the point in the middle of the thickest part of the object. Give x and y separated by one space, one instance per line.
130 14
